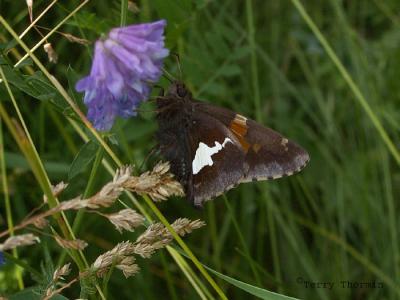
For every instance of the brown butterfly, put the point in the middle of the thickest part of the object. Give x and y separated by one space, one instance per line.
212 149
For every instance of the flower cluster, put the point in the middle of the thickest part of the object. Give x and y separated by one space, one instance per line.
123 65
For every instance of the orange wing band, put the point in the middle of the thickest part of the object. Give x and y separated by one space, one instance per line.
239 128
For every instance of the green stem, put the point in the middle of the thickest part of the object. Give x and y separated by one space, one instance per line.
182 264
253 58
23 265
107 279
185 248
171 288
45 38
64 133
243 242
374 269
273 239
89 188
213 234
124 11
346 76
61 90
26 144
10 222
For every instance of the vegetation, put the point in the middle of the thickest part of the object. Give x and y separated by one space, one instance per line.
323 73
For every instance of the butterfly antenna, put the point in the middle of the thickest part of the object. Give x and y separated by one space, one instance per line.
168 76
150 154
178 63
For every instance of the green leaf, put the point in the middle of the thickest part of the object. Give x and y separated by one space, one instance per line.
16 160
85 155
248 288
87 20
8 45
25 63
36 86
73 78
39 87
251 289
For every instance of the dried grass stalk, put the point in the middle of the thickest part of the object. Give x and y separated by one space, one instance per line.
61 272
18 241
71 244
128 266
159 184
127 219
56 190
41 223
118 256
29 4
157 236
75 39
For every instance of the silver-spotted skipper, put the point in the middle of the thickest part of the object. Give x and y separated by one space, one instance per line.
213 149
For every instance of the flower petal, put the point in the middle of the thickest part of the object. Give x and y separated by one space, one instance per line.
122 66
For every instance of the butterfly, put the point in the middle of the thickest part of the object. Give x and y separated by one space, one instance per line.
212 149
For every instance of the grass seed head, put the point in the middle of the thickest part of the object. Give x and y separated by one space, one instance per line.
71 244
18 241
59 273
127 219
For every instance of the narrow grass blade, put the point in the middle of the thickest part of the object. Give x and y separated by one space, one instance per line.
346 76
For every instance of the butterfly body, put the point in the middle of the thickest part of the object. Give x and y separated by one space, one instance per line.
212 149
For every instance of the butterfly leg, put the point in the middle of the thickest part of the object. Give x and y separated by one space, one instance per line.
153 150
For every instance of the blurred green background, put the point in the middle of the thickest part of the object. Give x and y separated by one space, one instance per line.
336 221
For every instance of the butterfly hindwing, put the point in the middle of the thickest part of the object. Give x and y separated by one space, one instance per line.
268 154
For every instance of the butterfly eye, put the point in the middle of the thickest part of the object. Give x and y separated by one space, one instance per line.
181 90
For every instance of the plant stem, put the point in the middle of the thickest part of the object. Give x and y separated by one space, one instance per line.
124 11
10 223
185 248
253 59
242 241
346 76
26 144
89 188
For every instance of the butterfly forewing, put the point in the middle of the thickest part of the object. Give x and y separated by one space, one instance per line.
217 158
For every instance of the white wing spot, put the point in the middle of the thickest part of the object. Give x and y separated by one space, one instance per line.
203 155
284 143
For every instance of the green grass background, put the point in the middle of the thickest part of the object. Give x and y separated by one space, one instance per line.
335 221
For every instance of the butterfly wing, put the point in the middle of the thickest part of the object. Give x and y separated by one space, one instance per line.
205 156
212 149
268 154
217 158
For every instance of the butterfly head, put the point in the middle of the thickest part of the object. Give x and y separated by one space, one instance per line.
178 90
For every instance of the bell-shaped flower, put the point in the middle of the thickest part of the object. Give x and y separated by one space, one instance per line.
124 64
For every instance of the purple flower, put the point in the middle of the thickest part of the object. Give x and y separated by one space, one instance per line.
123 65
